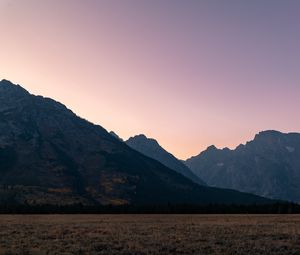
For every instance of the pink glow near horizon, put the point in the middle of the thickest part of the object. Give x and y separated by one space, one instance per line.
187 73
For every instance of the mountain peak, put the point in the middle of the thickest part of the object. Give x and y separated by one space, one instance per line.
141 138
268 133
212 148
5 81
6 86
116 136
151 148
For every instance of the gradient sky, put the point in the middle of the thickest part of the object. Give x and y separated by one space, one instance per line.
188 73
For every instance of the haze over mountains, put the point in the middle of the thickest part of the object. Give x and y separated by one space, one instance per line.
151 148
268 166
48 155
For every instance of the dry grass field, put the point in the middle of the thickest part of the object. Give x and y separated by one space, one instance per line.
150 234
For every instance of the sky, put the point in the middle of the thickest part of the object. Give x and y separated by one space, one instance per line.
188 73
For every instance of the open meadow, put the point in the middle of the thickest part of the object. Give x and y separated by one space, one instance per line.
150 234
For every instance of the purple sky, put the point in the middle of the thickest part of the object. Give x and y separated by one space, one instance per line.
188 73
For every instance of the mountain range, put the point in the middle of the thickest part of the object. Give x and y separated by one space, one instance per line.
269 166
49 155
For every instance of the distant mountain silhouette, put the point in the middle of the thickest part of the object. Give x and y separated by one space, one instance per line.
267 166
48 155
152 149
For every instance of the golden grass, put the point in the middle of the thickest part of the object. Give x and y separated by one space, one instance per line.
150 234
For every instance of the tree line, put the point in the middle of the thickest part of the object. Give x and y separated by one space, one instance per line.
276 208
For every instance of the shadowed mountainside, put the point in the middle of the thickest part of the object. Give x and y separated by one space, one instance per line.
151 148
267 166
48 155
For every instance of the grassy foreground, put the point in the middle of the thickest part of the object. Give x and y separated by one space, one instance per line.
150 234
